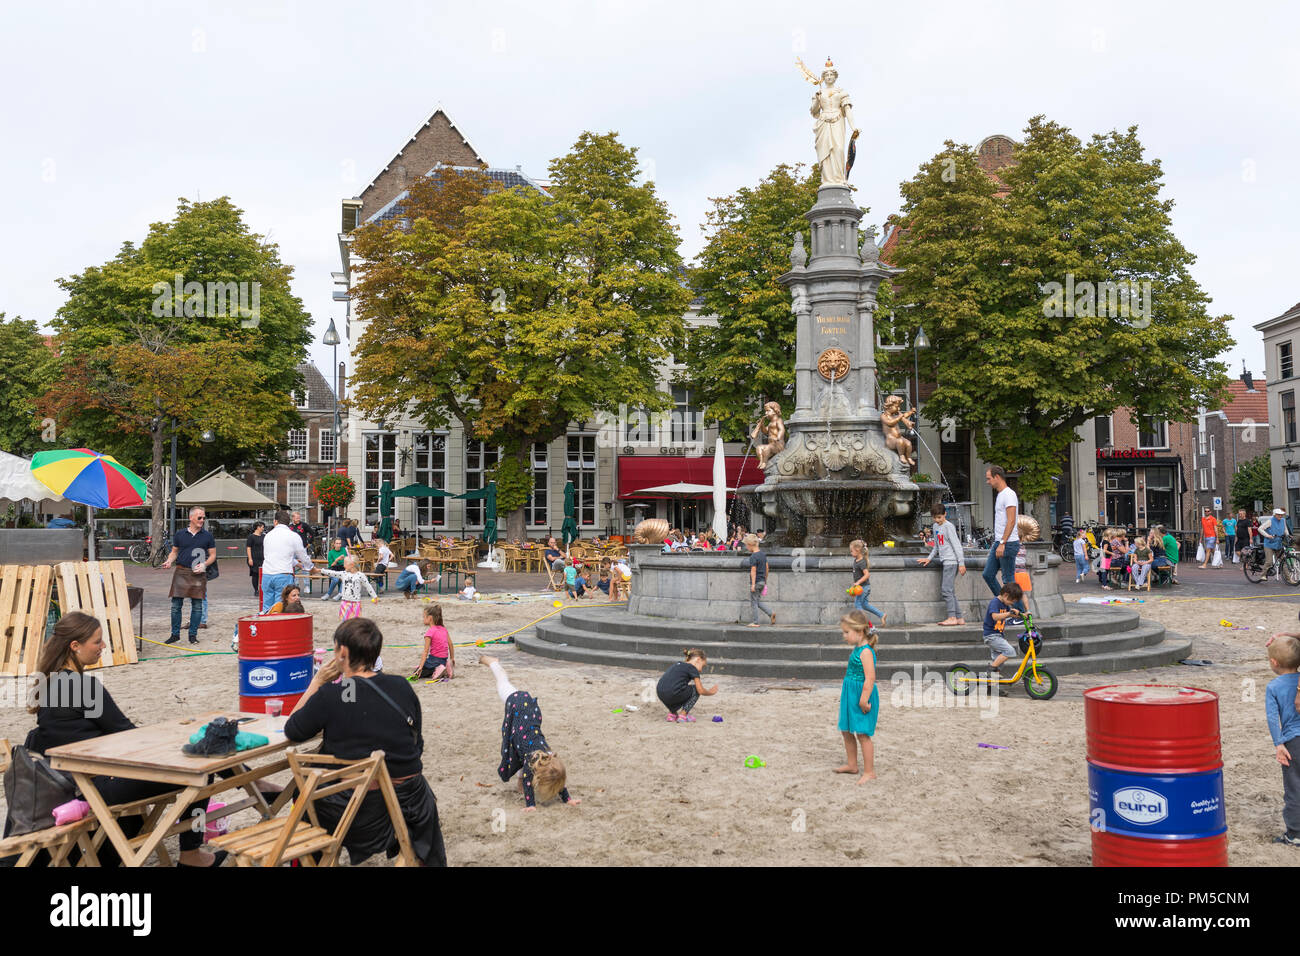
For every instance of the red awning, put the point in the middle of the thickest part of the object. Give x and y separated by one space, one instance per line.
644 471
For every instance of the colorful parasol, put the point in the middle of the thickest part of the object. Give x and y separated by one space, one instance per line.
89 478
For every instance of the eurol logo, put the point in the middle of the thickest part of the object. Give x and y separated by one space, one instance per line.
261 677
1141 806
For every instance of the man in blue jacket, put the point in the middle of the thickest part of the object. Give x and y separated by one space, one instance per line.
1276 534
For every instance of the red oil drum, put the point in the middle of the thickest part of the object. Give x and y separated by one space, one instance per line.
275 660
1155 776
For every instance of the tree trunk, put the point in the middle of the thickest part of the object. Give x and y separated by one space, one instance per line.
1042 513
515 519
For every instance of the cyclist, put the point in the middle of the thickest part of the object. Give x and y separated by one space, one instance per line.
1276 533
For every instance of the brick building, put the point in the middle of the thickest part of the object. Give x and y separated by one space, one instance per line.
309 452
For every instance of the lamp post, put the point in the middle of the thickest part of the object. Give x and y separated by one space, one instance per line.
331 339
918 342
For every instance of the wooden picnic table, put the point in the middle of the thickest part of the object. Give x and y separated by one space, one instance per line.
153 753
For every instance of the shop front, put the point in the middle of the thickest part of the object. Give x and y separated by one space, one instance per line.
1138 487
691 512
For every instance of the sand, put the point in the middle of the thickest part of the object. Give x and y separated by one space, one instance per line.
661 794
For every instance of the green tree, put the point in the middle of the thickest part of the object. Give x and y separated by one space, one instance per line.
134 352
1253 482
748 357
516 313
1010 358
29 368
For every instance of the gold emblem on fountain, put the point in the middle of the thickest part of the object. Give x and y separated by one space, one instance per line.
833 364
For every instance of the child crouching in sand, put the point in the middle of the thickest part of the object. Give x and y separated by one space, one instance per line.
680 687
859 696
439 652
523 748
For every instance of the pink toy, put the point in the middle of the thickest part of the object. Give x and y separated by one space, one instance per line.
215 828
70 812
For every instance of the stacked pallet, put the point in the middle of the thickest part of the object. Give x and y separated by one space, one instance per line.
98 588
24 607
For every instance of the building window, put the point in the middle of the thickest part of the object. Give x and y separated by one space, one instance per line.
327 446
379 464
272 490
1151 432
296 496
686 423
479 460
1285 363
300 397
1102 426
430 452
581 471
540 499
1160 497
297 444
1288 417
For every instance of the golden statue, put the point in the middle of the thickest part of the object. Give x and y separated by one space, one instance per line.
773 431
651 531
890 418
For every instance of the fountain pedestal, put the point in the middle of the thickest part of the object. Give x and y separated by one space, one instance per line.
837 479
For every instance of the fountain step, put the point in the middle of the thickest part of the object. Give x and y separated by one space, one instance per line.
1167 651
830 648
1082 622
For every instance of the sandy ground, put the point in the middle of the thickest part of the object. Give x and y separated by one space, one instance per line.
660 794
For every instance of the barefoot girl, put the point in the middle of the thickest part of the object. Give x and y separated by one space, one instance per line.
439 652
859 696
523 748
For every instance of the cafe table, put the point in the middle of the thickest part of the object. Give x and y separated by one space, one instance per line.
153 753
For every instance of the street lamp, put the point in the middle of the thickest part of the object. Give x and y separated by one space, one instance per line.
332 340
208 437
918 342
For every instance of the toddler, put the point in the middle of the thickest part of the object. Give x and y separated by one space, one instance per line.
680 687
572 583
1081 563
523 748
1001 609
468 591
1281 698
351 582
439 652
859 696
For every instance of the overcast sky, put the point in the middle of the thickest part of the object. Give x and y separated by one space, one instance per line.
114 110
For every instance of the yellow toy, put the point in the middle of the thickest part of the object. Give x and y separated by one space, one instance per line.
557 604
1040 683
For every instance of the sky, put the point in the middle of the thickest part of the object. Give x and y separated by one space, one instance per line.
114 110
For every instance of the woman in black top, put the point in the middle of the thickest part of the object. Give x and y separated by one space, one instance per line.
364 712
253 547
72 706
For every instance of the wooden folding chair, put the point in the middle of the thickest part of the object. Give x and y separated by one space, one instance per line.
277 841
57 841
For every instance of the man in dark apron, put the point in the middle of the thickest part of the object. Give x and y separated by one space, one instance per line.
193 549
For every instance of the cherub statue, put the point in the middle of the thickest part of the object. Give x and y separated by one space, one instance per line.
891 417
772 427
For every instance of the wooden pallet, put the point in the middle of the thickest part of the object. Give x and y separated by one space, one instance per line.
24 607
98 588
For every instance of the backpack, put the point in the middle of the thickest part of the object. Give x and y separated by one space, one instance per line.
32 790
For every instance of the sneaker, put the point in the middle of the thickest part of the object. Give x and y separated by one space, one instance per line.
218 740
173 639
339 596
194 640
686 718
1288 840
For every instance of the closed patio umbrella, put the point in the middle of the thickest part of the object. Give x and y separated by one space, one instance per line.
569 530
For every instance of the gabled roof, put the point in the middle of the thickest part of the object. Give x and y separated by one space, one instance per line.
1242 404
1290 314
508 178
436 141
320 395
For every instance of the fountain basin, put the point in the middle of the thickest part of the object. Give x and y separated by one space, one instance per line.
830 513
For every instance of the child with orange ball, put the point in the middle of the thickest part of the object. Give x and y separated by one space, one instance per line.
861 588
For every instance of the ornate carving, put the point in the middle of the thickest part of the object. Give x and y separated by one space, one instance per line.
833 362
871 460
870 251
798 256
772 427
890 418
651 531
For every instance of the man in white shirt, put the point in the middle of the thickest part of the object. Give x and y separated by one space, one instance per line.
282 551
1006 536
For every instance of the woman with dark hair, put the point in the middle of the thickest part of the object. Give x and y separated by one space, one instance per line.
71 706
364 712
253 548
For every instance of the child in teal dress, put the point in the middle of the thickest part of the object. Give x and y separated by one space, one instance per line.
859 696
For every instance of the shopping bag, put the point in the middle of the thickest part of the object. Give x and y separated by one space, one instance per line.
1218 558
1200 553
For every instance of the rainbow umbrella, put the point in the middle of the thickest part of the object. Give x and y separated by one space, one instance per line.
89 478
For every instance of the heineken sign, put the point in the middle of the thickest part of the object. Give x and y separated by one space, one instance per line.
1126 453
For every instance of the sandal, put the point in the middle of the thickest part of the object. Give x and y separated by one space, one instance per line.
672 718
686 718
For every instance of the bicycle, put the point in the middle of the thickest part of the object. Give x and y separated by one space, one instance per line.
1252 564
142 553
1040 683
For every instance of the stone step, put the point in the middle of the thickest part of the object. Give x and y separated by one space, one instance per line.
833 649
1082 623
1168 651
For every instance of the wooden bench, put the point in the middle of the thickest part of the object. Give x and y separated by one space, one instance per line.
57 841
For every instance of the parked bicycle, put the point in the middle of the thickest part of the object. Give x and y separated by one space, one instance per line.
143 552
1253 564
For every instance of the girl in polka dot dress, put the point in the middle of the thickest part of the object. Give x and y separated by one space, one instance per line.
523 748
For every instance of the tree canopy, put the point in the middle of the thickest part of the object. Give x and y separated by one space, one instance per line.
1022 362
1253 482
748 357
515 312
29 368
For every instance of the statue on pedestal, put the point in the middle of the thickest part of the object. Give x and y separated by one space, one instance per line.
833 111
890 418
772 427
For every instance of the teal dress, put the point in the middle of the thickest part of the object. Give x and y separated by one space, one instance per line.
852 719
